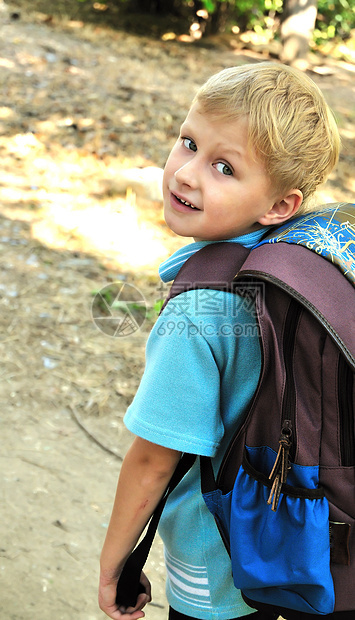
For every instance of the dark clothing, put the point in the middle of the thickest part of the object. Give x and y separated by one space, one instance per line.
259 615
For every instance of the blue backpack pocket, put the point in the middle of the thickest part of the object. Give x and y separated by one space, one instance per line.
278 558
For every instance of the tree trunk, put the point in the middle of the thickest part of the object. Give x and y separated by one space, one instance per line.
217 20
297 25
158 7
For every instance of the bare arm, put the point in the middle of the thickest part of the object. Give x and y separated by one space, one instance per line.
145 473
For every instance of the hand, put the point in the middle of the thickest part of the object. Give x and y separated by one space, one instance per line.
107 600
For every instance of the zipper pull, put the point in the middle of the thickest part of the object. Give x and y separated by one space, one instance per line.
279 472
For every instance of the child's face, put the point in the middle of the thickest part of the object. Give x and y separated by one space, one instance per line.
213 187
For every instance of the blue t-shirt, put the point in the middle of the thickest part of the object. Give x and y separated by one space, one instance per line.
203 364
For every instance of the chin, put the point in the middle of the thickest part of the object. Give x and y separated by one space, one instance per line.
175 228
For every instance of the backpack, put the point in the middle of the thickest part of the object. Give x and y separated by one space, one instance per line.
284 496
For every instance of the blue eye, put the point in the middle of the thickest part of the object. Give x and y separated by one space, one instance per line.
224 169
189 144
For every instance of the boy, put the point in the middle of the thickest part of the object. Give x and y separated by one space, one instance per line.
256 143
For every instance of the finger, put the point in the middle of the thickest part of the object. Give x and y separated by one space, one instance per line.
142 601
134 615
125 614
146 584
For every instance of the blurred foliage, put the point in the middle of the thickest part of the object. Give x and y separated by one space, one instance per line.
246 14
335 20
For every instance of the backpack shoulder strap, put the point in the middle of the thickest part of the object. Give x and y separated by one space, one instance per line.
292 258
214 267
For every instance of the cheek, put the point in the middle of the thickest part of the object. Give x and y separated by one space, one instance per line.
170 168
223 203
166 177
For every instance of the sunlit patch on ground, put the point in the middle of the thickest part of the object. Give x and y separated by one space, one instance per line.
116 233
70 208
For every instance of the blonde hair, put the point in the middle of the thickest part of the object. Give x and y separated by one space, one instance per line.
291 128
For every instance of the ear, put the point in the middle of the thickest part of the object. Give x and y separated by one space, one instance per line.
283 209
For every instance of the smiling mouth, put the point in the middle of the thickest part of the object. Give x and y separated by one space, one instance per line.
184 202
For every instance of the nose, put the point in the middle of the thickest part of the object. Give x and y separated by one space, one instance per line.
188 173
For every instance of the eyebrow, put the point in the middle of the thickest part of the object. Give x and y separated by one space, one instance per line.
233 151
183 125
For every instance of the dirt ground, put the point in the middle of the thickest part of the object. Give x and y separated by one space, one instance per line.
78 106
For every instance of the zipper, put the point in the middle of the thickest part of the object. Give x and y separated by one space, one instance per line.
279 472
288 405
346 413
287 443
288 411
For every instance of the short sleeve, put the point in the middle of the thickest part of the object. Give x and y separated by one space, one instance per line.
177 404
